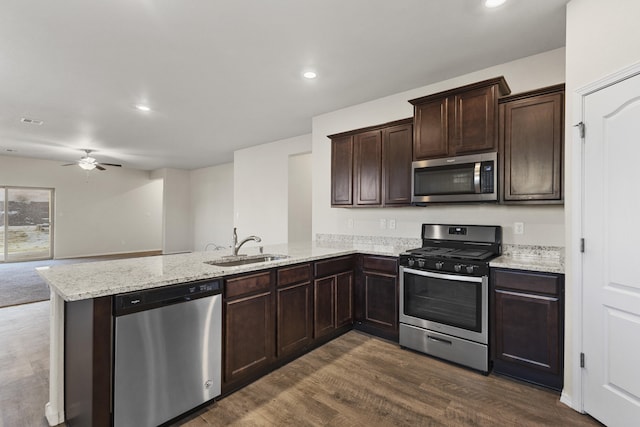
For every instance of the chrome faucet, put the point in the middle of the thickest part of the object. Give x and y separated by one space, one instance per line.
237 246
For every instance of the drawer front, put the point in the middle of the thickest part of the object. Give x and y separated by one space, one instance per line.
379 263
333 266
247 284
295 274
539 283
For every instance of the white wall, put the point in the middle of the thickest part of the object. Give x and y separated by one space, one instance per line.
96 213
261 188
176 210
602 37
300 187
212 206
544 225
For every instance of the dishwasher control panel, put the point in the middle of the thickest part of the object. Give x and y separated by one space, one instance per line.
158 297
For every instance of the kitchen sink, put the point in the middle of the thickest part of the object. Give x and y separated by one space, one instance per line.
232 261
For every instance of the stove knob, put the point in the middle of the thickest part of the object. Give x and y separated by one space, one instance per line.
411 261
470 269
458 268
421 263
439 265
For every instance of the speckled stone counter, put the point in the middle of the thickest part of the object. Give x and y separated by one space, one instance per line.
549 259
75 282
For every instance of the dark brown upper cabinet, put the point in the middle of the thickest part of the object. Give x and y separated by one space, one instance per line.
372 166
531 143
458 121
342 171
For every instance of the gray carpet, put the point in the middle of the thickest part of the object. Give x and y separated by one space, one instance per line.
21 284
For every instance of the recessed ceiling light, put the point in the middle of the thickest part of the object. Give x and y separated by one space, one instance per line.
494 3
143 107
31 121
310 75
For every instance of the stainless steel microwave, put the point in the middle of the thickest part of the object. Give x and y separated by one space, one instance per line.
470 178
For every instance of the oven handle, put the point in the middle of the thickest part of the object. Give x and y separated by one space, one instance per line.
440 340
442 275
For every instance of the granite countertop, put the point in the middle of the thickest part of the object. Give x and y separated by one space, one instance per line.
81 281
549 259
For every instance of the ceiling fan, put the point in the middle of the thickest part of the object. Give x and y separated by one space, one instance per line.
89 163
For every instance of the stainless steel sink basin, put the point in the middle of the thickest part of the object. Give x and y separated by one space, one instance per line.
232 261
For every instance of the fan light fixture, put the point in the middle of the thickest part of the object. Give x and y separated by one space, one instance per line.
87 163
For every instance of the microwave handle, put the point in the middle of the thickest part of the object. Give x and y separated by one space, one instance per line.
476 176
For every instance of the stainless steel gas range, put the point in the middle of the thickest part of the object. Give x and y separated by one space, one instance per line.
444 293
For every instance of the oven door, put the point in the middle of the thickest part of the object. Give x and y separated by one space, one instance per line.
448 303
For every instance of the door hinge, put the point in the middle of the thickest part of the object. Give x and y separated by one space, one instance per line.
582 360
582 245
580 127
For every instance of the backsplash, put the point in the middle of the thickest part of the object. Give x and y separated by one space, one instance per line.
551 253
369 240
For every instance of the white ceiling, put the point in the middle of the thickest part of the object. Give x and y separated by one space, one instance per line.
221 75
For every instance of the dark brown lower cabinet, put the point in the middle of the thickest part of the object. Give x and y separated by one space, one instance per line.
87 362
295 310
249 328
332 296
377 296
527 334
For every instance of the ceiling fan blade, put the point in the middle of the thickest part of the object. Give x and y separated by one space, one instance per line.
100 168
110 164
70 164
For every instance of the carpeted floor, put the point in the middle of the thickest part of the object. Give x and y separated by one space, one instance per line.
21 284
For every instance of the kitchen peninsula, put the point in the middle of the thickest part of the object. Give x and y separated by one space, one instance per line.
307 269
100 281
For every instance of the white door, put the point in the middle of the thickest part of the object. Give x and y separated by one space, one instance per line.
611 263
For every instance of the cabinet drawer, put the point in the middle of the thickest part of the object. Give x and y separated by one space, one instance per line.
247 284
540 283
295 274
379 263
333 266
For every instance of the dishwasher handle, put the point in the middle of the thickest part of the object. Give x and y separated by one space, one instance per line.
134 302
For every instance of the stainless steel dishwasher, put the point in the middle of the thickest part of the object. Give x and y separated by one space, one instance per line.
167 352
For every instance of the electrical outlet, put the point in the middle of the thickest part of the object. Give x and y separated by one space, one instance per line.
392 224
383 223
518 228
350 223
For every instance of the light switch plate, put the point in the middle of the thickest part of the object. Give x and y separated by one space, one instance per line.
383 223
392 224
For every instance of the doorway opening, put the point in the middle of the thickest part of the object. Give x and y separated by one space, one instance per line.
26 228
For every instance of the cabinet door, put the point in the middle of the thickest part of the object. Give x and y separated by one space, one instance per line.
342 171
381 300
533 139
344 299
397 154
249 336
431 129
294 318
475 121
368 168
527 330
323 306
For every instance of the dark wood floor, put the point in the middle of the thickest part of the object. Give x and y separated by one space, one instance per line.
24 364
357 380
